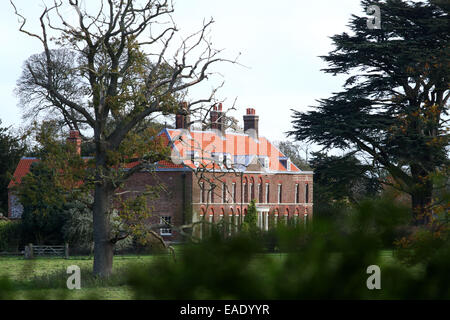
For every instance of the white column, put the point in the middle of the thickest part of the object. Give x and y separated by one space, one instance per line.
266 216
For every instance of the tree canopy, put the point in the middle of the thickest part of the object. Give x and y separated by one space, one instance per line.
115 66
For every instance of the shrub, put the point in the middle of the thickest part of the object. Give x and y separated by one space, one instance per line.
10 235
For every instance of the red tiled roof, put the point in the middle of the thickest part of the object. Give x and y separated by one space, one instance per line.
163 164
22 169
205 142
234 144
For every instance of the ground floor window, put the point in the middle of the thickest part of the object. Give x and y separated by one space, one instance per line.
167 231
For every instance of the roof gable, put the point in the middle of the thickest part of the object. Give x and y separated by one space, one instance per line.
23 167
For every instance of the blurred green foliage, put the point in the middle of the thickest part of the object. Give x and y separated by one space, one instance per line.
327 260
10 234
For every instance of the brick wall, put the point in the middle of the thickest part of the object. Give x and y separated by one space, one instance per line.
181 200
170 203
287 181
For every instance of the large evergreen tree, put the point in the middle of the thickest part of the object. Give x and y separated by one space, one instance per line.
394 105
343 178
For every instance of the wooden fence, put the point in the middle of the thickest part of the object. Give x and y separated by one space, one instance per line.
34 250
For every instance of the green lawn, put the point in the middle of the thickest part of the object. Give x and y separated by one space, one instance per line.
46 277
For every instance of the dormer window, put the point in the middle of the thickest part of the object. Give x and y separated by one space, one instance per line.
217 157
222 159
285 162
227 160
264 162
194 157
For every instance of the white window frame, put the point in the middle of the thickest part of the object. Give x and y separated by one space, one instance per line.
266 195
227 160
165 231
296 193
193 156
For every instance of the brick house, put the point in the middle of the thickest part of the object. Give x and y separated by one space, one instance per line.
213 175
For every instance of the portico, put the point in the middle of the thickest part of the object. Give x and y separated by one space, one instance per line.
263 217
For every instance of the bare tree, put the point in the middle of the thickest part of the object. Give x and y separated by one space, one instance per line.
126 69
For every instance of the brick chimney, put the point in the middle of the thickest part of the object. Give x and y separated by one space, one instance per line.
182 117
74 137
251 121
218 118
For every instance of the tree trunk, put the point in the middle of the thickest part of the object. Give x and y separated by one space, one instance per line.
420 201
421 195
103 247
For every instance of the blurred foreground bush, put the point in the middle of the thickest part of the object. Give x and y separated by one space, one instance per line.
328 260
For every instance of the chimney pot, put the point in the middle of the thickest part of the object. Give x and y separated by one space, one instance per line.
74 137
251 121
217 118
182 117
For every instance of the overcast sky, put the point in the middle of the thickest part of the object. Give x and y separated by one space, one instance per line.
279 42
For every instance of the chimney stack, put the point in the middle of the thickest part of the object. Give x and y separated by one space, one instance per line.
74 137
251 121
182 117
218 118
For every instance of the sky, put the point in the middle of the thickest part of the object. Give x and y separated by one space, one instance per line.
278 43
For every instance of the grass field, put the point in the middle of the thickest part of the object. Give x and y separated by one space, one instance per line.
45 278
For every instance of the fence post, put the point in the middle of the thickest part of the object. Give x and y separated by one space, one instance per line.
29 251
66 250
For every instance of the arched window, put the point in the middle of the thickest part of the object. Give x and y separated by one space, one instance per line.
280 193
296 215
306 193
267 193
202 192
231 221
297 194
202 230
245 189
286 216
238 217
252 189
275 217
224 192
211 221
213 193
260 191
